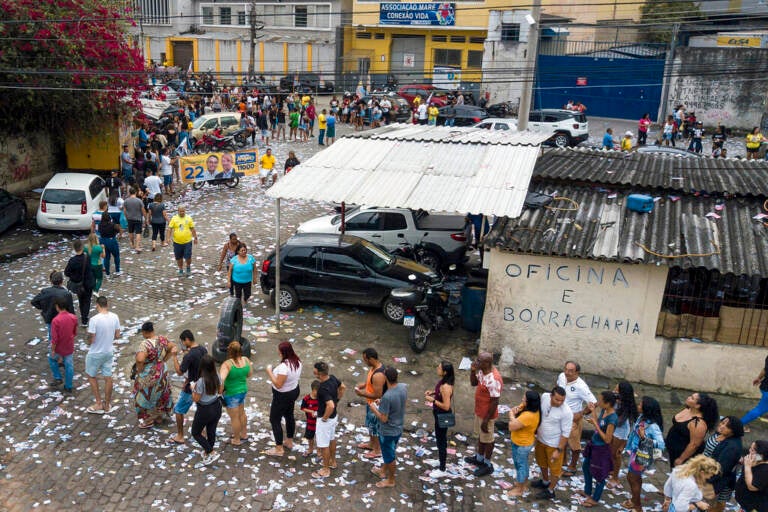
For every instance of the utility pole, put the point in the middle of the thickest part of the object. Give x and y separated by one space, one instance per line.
252 58
530 66
669 67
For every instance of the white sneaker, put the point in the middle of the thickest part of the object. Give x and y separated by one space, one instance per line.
438 473
116 274
210 458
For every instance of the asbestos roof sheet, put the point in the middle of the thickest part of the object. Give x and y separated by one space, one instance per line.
668 172
682 230
455 170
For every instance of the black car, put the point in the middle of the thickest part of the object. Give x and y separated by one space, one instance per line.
400 107
463 115
342 269
307 82
13 210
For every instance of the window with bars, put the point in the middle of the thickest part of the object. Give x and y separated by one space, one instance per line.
510 31
300 16
445 57
242 18
475 58
225 15
207 15
154 12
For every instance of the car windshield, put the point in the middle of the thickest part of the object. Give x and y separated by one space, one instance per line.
372 255
337 218
62 196
199 122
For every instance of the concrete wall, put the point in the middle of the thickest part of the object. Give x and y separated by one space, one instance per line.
26 162
504 61
541 311
732 98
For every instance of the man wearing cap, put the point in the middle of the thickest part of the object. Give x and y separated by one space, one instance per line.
267 165
126 164
626 142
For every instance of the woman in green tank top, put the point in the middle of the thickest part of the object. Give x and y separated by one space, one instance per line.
234 375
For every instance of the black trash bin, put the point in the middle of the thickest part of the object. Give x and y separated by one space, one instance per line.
472 306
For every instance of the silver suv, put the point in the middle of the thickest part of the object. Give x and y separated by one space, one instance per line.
570 128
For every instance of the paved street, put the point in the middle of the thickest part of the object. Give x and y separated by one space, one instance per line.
57 457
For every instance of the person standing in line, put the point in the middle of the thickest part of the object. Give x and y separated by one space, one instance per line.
234 374
322 125
441 399
208 412
648 426
109 228
103 330
523 422
181 230
627 411
329 393
45 301
309 407
689 428
753 141
390 411
330 132
242 273
157 218
311 115
752 485
152 389
762 406
227 253
551 440
63 331
642 129
724 446
95 252
190 368
486 380
134 214
580 400
285 390
372 389
81 277
126 165
598 459
682 490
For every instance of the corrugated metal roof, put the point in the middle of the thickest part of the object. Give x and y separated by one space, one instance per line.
409 166
676 233
614 168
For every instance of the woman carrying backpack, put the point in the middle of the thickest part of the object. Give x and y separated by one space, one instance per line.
646 436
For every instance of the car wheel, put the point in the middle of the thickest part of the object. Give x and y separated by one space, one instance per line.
393 311
197 185
22 215
288 298
561 140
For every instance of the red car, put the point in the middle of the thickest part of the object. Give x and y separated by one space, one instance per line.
409 92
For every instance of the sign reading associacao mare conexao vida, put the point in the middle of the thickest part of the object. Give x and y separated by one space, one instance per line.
417 13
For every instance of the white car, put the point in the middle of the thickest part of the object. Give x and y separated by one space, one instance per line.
69 200
570 128
497 123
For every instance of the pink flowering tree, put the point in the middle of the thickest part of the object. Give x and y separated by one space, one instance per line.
66 63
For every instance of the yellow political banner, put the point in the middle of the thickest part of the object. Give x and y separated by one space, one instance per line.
740 41
212 166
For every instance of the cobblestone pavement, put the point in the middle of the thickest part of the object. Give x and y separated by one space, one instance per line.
57 457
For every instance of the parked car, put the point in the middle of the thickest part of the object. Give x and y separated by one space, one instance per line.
343 269
664 150
498 123
400 107
463 115
570 128
13 210
69 200
229 122
442 235
439 96
308 82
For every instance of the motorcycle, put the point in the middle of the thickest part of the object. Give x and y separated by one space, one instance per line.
426 309
241 137
228 182
209 143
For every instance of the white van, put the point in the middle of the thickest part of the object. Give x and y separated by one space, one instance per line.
69 200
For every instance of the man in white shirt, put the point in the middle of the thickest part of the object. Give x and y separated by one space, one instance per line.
154 184
551 439
166 169
103 329
577 394
422 113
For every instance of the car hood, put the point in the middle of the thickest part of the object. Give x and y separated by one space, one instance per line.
403 267
319 225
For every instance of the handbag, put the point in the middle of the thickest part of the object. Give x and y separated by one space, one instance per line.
446 419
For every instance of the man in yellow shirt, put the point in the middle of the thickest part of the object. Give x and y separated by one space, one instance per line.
305 100
322 124
181 230
266 167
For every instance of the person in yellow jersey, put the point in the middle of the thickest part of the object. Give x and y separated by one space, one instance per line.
432 113
322 125
753 141
626 142
181 230
267 166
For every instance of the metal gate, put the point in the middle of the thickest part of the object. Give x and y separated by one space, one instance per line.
182 54
407 58
619 81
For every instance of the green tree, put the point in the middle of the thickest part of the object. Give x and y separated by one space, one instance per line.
66 63
660 16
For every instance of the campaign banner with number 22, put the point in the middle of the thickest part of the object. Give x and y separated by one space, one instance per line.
211 166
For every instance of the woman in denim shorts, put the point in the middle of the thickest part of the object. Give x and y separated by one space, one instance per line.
234 375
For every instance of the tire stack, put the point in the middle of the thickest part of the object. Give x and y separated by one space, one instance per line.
229 328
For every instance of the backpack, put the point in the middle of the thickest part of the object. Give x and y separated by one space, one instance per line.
644 453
